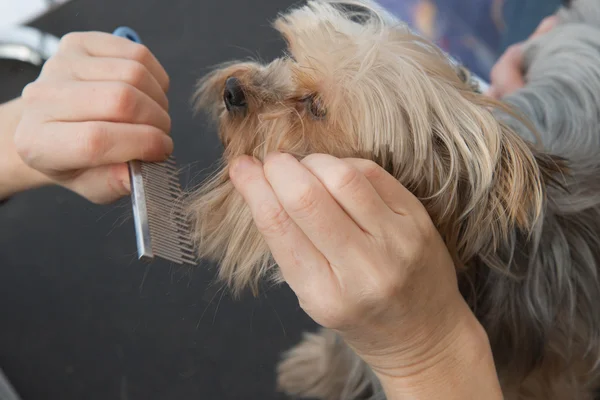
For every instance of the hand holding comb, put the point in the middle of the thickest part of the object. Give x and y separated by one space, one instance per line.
161 227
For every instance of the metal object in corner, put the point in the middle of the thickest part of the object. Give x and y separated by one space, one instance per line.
27 44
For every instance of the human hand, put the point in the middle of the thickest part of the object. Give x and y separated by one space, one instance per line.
507 75
99 102
364 258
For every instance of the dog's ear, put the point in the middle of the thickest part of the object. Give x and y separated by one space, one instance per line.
361 11
299 26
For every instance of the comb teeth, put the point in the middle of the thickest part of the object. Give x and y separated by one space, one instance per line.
161 226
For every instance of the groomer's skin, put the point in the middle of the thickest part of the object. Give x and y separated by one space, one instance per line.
99 102
507 74
356 247
363 257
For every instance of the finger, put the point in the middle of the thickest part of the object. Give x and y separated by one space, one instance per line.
102 185
71 146
97 101
100 44
313 209
304 268
493 92
545 26
351 190
507 74
91 69
399 199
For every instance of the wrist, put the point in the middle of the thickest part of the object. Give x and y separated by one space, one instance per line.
460 366
15 175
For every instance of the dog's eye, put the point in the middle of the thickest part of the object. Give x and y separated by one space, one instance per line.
315 107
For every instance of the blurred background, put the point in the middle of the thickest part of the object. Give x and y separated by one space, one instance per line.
80 317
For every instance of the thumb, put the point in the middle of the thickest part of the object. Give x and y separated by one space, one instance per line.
102 185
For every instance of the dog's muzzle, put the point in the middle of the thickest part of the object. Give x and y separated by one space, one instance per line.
233 95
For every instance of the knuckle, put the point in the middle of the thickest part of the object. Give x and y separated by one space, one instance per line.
141 53
32 91
28 142
54 64
419 243
388 289
379 286
154 145
304 202
93 143
272 220
371 169
24 148
345 177
135 73
122 101
71 40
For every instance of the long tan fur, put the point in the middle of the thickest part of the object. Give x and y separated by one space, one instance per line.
361 84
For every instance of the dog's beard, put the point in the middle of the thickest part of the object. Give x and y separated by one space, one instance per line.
224 230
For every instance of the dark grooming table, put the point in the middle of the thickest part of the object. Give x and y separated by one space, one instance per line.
80 317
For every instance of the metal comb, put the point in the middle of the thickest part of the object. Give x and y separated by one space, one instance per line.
161 227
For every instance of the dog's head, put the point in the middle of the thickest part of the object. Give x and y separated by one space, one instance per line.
357 83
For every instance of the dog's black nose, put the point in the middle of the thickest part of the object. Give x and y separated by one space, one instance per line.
233 95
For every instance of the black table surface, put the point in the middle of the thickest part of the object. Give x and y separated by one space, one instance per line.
80 317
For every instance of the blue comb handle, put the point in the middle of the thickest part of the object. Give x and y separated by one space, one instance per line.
128 33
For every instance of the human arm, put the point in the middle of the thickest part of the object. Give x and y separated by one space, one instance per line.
15 175
99 102
363 257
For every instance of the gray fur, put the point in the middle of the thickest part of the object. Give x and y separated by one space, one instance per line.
554 307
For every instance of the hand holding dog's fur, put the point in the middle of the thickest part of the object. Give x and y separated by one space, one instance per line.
387 283
521 227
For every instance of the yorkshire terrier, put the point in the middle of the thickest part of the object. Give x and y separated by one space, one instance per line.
513 187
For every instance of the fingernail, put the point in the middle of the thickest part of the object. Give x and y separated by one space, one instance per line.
277 154
271 155
242 164
169 145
